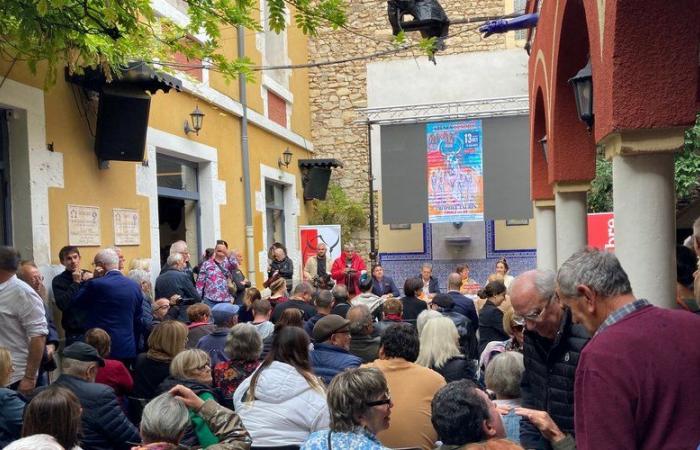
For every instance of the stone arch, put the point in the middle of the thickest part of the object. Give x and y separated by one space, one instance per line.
539 174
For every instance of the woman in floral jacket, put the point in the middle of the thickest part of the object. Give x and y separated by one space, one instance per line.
215 282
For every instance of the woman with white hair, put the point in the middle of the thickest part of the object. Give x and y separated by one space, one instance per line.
166 417
439 350
503 376
424 317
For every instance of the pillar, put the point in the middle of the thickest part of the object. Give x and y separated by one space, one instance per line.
645 210
570 214
546 235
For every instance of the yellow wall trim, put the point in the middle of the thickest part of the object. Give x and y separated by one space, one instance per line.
656 140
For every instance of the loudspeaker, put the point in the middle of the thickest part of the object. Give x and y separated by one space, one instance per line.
316 183
122 123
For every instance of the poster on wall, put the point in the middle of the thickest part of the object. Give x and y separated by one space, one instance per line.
84 226
127 229
313 235
601 231
455 171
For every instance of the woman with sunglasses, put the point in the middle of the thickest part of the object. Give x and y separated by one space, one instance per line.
360 407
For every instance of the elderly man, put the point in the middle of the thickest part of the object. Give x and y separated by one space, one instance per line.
412 388
348 268
638 380
173 282
318 266
431 286
362 343
24 328
551 352
180 248
301 300
330 355
225 316
112 302
104 425
65 287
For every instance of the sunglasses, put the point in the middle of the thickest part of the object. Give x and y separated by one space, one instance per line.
384 401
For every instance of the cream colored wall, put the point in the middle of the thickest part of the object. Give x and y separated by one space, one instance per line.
398 241
514 237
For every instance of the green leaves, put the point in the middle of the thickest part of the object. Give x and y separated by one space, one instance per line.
339 209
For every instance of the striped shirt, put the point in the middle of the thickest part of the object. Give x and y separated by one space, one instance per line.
621 313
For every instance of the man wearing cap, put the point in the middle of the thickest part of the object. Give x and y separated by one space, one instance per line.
104 425
225 316
444 304
331 354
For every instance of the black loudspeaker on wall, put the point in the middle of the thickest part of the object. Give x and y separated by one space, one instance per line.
122 123
317 183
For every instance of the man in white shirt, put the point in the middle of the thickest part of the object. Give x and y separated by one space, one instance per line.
24 327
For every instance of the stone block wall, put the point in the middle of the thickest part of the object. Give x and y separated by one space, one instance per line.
338 91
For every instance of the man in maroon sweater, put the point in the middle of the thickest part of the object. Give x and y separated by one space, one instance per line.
638 379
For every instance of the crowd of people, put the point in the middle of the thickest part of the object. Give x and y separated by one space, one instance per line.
342 359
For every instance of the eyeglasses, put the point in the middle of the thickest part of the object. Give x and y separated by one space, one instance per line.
384 401
536 316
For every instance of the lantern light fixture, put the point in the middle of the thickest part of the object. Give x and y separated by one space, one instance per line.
196 117
285 159
582 83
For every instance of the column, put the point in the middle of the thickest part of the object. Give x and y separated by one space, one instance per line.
571 218
645 224
546 235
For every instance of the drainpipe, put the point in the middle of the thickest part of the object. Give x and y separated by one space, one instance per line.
245 161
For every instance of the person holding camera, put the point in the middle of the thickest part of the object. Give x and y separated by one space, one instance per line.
174 284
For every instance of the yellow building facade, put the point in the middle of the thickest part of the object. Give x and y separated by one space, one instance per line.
190 186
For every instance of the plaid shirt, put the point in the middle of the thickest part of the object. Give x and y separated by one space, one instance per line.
621 313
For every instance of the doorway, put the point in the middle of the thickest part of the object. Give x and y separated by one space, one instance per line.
178 206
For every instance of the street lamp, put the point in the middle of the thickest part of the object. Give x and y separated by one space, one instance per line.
543 143
197 117
582 83
285 159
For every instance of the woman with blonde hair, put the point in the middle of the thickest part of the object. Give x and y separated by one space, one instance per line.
439 350
283 402
11 403
192 369
140 264
150 369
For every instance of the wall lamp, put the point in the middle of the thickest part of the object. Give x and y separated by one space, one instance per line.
543 143
197 117
285 159
582 83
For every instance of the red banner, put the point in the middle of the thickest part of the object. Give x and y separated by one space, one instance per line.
601 231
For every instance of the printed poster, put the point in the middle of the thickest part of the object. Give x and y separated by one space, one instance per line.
455 171
312 235
84 226
601 231
127 230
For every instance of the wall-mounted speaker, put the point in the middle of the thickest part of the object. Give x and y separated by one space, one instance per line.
122 123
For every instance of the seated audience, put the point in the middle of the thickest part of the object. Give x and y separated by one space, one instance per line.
289 318
38 441
323 300
341 300
331 355
114 373
283 402
503 377
191 368
247 313
278 290
412 305
199 324
423 319
104 425
225 317
369 298
151 368
166 417
360 407
11 403
301 300
363 343
55 411
462 304
262 310
412 387
468 342
490 316
439 350
243 348
392 312
514 326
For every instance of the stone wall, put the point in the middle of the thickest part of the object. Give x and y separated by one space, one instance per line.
338 91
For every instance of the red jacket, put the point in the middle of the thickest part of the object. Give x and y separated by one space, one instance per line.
338 272
115 375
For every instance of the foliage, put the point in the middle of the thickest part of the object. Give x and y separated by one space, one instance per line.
111 33
686 171
339 209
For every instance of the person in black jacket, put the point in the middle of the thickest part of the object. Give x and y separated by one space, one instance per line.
65 286
174 281
439 351
429 284
412 305
490 316
104 425
281 265
552 346
301 300
444 304
341 299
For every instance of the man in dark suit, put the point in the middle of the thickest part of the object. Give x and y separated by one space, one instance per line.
112 302
462 304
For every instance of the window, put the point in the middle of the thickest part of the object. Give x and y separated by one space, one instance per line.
274 211
519 7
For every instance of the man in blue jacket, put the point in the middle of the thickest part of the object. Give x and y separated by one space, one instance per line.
112 302
331 354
